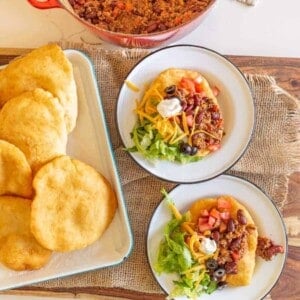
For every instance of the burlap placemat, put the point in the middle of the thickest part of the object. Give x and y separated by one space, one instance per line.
272 155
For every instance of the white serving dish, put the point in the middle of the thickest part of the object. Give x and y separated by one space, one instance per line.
90 143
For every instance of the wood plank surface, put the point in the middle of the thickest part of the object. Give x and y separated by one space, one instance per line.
287 74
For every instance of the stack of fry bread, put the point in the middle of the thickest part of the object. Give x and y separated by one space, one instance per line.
49 201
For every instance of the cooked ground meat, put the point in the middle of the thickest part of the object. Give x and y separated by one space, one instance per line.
267 249
232 244
138 16
208 121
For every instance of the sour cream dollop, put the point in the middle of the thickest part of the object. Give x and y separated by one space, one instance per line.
169 107
208 246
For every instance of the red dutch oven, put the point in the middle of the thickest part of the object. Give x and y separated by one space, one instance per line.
150 40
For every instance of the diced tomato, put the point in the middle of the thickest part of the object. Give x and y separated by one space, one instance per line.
187 239
204 227
215 91
204 213
202 220
235 255
214 213
211 221
223 227
198 87
214 147
188 84
223 203
190 120
225 215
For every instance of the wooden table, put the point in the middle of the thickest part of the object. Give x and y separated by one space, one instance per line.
287 74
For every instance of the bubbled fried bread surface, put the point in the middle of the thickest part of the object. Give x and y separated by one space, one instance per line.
19 250
48 68
34 122
15 171
73 205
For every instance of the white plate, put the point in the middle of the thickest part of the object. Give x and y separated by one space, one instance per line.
90 143
235 99
264 212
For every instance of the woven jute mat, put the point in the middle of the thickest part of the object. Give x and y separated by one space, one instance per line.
272 155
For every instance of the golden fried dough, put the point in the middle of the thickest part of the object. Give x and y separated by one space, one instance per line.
15 172
46 67
14 213
19 250
73 205
22 252
34 122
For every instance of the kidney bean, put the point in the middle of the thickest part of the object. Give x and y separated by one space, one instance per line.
235 244
197 99
152 27
190 108
241 217
215 235
215 115
199 118
183 105
230 225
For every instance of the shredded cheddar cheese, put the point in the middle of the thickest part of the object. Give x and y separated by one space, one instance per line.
132 86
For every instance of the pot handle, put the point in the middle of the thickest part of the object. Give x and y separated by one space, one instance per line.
44 4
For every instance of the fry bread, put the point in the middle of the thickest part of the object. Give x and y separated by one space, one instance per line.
18 248
48 68
22 252
245 266
14 215
204 129
34 122
173 76
15 172
73 205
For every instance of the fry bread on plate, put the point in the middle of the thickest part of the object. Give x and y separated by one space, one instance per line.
245 265
73 205
15 172
19 250
204 129
48 68
34 122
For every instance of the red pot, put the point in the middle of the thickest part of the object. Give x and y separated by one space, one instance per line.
150 40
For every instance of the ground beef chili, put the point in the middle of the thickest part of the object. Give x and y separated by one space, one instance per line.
208 121
138 16
267 249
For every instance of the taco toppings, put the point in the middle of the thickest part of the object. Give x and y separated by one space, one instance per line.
179 118
212 245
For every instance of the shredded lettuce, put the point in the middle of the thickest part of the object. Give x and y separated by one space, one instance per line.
175 257
151 145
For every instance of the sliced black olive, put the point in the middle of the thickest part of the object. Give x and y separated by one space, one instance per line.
194 150
222 285
170 90
211 264
185 148
219 273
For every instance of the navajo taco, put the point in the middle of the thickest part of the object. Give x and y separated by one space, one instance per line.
212 245
179 118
